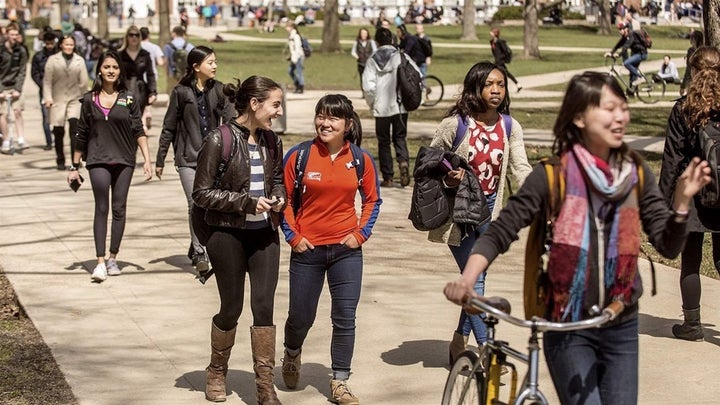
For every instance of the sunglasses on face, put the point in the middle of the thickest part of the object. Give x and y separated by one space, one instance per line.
134 34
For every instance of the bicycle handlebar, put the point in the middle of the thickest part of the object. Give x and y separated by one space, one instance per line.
499 308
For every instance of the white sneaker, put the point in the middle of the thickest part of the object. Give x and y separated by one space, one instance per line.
100 273
638 81
112 267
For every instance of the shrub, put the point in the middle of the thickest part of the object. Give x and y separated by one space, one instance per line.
39 22
516 13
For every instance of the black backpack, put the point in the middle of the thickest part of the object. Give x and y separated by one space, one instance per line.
409 84
426 46
710 146
303 150
179 57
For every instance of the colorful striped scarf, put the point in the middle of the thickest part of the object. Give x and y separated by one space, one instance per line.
569 262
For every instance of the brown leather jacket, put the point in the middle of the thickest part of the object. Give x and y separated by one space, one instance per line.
228 203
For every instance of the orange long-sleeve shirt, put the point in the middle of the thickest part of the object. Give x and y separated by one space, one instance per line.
327 213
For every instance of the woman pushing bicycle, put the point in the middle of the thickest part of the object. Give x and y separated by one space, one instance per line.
595 240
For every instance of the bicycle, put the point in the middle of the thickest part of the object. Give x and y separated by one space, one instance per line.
649 92
433 90
476 378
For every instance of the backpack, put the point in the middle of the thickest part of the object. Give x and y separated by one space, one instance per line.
303 150
710 145
507 51
426 46
536 282
200 225
409 84
179 58
645 38
307 49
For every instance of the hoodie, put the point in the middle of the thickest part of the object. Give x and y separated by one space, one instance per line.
380 82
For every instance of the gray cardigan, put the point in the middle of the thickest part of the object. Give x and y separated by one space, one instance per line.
514 157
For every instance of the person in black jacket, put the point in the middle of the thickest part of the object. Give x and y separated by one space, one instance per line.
138 69
37 72
197 106
243 213
687 119
502 54
410 44
631 40
696 40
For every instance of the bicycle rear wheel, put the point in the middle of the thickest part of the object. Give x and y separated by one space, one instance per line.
463 383
433 91
650 93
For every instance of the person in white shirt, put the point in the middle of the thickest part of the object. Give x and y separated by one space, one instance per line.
668 71
158 59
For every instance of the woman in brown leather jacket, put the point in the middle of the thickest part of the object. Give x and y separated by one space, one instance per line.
243 205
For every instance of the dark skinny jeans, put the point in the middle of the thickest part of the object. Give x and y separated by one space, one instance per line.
343 267
234 253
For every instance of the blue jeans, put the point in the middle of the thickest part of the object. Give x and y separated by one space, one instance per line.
474 323
296 72
46 122
595 366
343 267
633 63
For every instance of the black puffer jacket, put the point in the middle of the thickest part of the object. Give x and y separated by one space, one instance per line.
181 126
470 207
228 204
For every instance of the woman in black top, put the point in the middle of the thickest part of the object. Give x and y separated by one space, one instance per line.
137 67
197 106
108 135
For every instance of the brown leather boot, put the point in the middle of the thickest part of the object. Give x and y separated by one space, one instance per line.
457 346
221 343
262 340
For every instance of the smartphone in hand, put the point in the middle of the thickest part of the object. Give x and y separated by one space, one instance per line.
274 202
446 166
76 183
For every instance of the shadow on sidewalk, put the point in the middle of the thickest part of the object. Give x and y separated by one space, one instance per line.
431 353
662 327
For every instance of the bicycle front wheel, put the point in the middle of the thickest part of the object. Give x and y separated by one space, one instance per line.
463 385
651 93
433 91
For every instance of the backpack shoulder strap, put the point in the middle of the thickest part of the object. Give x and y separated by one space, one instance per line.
556 187
227 142
301 159
460 132
507 120
358 162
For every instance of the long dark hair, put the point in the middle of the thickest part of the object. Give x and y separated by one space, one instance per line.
471 101
338 105
240 94
119 84
583 91
196 56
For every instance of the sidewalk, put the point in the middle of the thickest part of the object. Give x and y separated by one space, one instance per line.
143 337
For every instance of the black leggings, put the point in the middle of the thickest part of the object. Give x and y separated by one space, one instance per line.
103 178
507 72
690 267
235 252
59 135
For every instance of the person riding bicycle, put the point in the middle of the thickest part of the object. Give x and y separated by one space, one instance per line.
631 40
595 243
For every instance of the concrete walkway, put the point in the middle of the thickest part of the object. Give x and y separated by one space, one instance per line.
143 337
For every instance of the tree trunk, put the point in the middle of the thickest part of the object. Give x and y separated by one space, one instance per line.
468 22
604 17
531 47
102 20
711 20
331 28
163 22
286 9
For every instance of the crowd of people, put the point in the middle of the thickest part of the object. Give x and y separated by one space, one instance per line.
235 175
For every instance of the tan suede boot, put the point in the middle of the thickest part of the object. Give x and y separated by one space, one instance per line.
457 346
221 343
262 339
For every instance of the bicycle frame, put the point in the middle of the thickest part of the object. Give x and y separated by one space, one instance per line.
493 354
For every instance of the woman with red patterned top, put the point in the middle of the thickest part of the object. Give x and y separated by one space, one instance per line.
492 144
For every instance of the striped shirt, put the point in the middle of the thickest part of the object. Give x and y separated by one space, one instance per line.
257 189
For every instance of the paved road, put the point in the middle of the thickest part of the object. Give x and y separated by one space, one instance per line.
143 337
